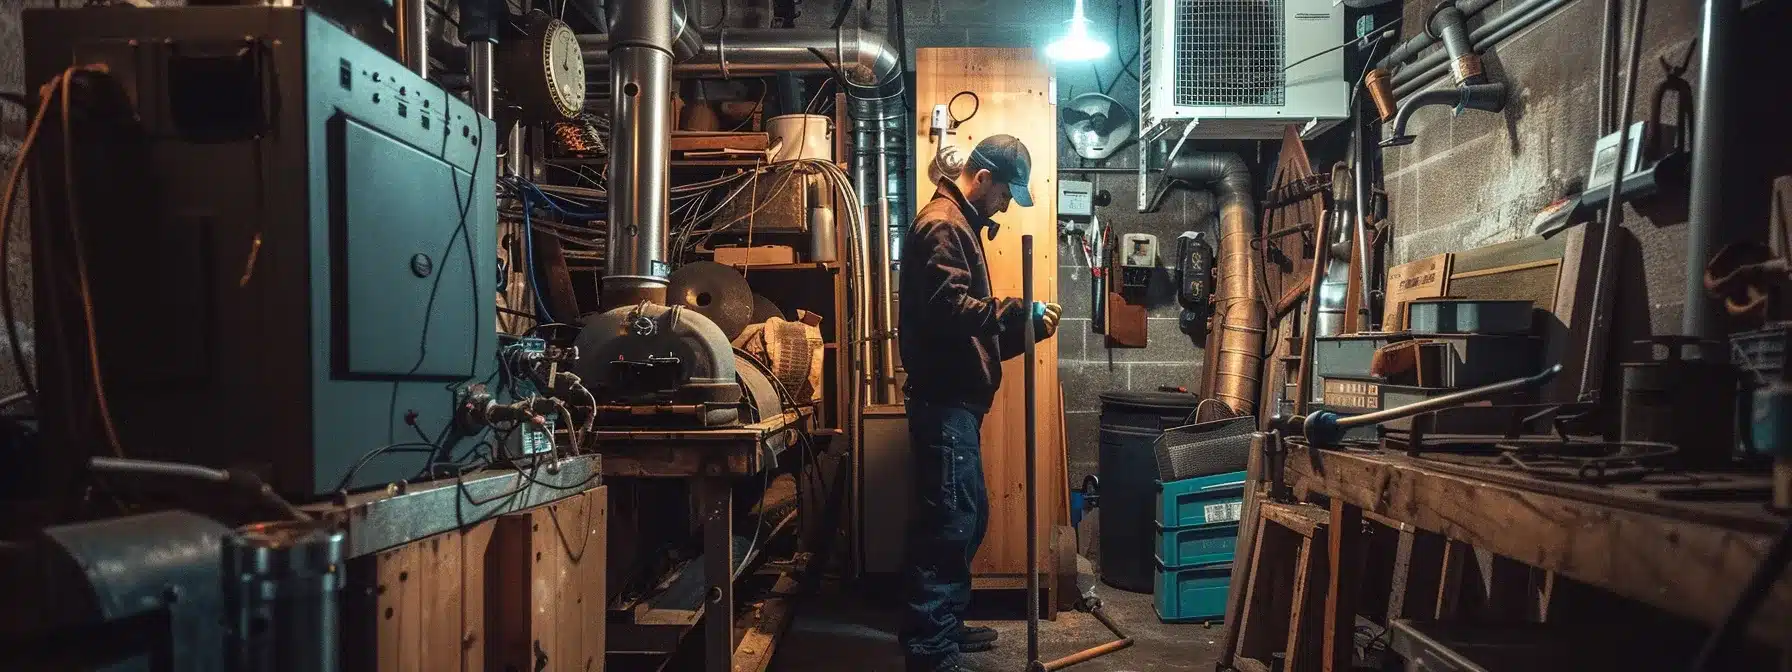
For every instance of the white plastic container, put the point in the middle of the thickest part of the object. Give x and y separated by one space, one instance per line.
801 136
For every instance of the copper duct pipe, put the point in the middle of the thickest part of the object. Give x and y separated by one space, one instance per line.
1240 312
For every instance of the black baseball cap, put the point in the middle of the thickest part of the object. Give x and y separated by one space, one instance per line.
1007 160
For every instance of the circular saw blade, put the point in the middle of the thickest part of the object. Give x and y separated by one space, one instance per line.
714 291
764 309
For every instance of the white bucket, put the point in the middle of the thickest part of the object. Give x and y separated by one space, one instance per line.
801 136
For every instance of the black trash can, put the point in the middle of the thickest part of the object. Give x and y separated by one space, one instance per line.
1130 424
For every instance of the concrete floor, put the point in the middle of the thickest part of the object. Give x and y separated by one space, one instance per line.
844 630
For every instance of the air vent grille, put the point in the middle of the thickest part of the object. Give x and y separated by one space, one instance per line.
1229 53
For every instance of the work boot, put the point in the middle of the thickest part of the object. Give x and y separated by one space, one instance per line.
975 638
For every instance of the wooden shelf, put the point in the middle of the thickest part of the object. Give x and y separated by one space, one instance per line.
800 266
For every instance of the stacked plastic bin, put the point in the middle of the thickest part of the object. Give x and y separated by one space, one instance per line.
1197 538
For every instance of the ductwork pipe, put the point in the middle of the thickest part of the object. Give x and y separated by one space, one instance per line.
864 57
1241 316
642 35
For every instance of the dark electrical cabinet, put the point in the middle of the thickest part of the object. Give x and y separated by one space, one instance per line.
291 248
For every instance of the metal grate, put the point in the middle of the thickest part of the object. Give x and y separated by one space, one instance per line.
1229 53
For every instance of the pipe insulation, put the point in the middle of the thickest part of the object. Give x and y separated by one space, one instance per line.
1239 309
1405 51
1427 69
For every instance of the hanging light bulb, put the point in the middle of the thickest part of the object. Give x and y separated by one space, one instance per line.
1076 45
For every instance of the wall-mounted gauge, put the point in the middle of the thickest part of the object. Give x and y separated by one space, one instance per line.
547 69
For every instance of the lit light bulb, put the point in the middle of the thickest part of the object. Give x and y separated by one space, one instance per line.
1076 45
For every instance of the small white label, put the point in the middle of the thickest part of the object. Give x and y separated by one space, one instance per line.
1223 513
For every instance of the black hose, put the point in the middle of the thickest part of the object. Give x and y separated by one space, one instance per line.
1753 594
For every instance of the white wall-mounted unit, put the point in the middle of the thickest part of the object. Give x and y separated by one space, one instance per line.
1223 66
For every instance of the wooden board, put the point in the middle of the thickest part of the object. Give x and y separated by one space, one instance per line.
1682 567
1015 91
549 583
1422 279
429 602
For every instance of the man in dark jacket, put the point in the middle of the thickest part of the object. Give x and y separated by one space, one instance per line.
954 338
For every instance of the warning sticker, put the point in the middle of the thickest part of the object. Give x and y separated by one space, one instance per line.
1223 513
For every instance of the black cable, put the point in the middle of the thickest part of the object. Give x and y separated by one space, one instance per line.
1753 594
976 104
840 14
18 99
402 447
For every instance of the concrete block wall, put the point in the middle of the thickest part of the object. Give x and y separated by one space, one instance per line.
1479 178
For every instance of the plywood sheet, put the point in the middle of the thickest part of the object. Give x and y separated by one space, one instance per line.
1015 91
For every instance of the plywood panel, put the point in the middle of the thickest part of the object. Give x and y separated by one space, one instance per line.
547 586
1015 92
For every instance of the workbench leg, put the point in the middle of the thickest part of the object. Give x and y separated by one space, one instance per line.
1346 540
716 498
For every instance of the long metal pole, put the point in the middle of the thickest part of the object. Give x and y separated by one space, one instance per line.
1031 378
411 18
1710 137
1592 371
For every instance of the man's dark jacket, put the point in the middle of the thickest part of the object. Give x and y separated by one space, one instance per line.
954 335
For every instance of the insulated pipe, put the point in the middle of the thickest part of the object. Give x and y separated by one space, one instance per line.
1405 51
1447 23
1242 316
641 40
1717 32
1419 74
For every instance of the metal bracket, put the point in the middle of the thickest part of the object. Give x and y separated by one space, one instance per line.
1150 202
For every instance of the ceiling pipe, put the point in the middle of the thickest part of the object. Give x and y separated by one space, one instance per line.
867 61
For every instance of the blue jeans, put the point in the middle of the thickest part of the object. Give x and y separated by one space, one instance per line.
947 525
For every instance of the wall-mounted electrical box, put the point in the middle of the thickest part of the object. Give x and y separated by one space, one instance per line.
1138 260
1076 199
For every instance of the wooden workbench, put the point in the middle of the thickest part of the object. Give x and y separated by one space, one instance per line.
1688 558
711 459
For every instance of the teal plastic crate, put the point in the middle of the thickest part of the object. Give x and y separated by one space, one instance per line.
1192 594
1179 547
1204 499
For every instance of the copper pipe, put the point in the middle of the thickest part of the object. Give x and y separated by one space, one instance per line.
1381 92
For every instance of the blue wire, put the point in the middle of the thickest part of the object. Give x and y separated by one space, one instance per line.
529 259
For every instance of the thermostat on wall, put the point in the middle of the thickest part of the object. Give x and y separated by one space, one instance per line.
1076 200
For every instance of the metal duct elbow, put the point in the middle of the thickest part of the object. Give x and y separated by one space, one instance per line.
1239 310
1488 97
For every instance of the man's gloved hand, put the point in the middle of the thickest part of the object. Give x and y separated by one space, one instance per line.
1045 319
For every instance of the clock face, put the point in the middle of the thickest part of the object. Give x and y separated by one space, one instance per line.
565 67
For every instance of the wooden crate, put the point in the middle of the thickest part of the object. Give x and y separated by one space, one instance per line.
504 593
